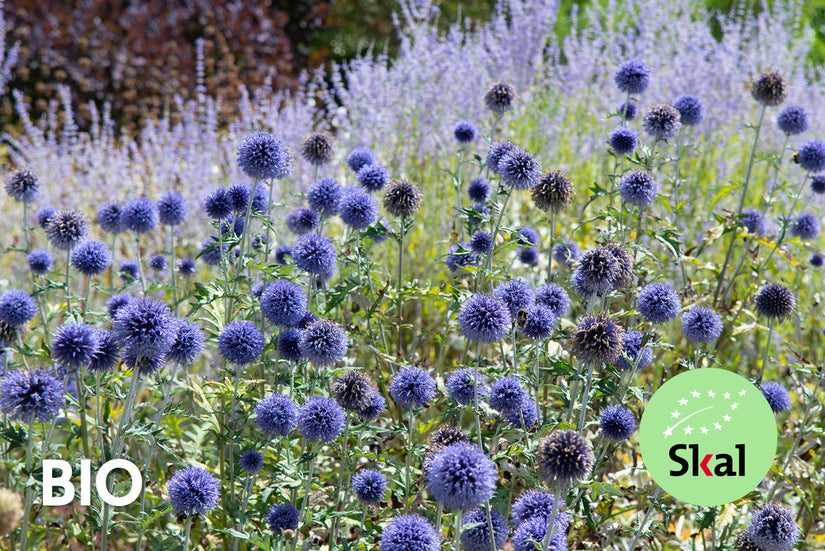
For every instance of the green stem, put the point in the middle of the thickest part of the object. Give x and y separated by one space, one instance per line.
550 249
307 490
398 296
186 531
767 350
341 485
24 529
81 399
585 398
68 289
642 524
140 264
558 497
408 478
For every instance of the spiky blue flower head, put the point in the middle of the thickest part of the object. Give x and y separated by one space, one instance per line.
146 365
66 229
44 215
617 423
289 345
691 110
566 253
539 322
564 457
811 155
283 303
373 177
528 256
478 190
519 169
358 209
22 186
158 263
193 492
701 324
554 297
506 394
218 204
524 416
110 218
792 120
359 157
629 110
235 228
497 152
282 517
484 319
321 419
632 343
318 148
40 261
638 188
140 215
806 226
632 76
662 121
116 302
777 397
461 476
753 221
818 184
412 387
147 325
597 340
324 343
460 256
314 254
516 294
462 386
281 252
17 307
302 221
772 528
530 534
465 131
106 354
481 242
29 395
409 533
623 140
402 199
477 538
537 504
499 98
74 344
775 302
186 267
239 197
353 391
211 250
769 88
817 260
323 196
241 342
369 486
276 415
129 271
527 236
187 344
251 461
658 303
263 156
91 258
172 209
374 409
596 272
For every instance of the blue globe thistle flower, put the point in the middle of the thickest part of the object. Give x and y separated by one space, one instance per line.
110 218
632 343
91 258
186 267
402 199
314 254
539 323
240 342
481 242
276 415
629 110
318 148
811 155
463 384
158 263
769 88
775 302
129 271
818 184
597 340
172 209
554 297
537 504
484 319
412 387
499 98
30 395
792 120
302 221
369 486
528 256
806 226
596 272
140 215
516 294
66 229
358 209
638 188
530 534
106 354
662 121
700 324
323 196
263 156
523 417
17 307
519 170
506 394
527 236
691 110
353 391
772 528
281 252
459 256
617 423
39 261
218 204
465 131
564 457
443 437
193 492
566 253
623 140
477 538
147 325
74 344
478 190
238 195
305 322
146 365
289 345
632 77
373 177
22 186
321 419
44 215
409 533
658 303
374 409
744 542
211 250
497 152
251 461
553 192
116 302
282 517
359 157
461 476
817 260
753 221
260 201
187 344
283 303
323 343
777 397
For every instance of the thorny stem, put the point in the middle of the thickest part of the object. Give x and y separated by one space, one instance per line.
307 490
558 497
641 528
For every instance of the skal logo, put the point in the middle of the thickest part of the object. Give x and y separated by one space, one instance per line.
52 481
708 436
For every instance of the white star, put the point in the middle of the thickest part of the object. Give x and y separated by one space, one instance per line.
726 395
688 430
675 414
742 392
726 417
695 394
668 432
704 430
683 402
717 426
734 405
711 394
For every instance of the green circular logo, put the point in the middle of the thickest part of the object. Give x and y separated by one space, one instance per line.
708 436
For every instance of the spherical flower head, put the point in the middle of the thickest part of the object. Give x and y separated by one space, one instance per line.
596 272
538 321
537 504
566 253
465 131
283 303
241 342
465 385
374 409
662 121
289 345
66 229
554 297
91 258
775 302
31 395
172 209
772 528
530 534
116 302
484 319
110 218
623 140
323 196
146 365
811 155
499 98
412 387
158 263
528 256
516 294
445 436
519 169
106 354
44 215
251 461
744 542
193 492
402 198
507 394
302 221
263 157
39 261
629 110
777 397
318 148
700 324
769 88
22 186
564 457
321 419
147 325
11 512
806 226
140 215
497 152
17 307
632 344
129 271
617 423
818 184
461 476
481 242
691 110
459 256
358 209
218 204
817 260
597 340
281 518
373 177
638 188
793 120
369 486
281 252
211 250
527 236
478 190
235 228
359 157
753 221
187 344
74 344
409 533
276 415
324 343
353 391
525 416
239 197
314 254
658 303
632 77
477 538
